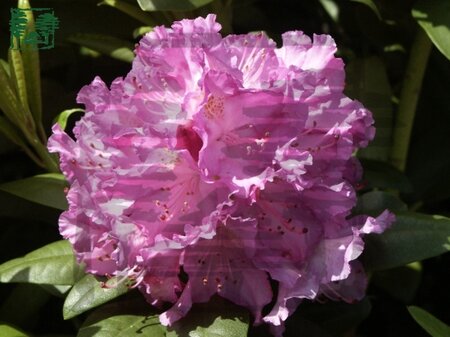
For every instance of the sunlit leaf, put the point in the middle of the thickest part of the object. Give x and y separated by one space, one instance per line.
133 11
45 189
413 237
52 264
62 118
171 5
31 66
116 48
429 323
89 293
217 318
8 331
434 17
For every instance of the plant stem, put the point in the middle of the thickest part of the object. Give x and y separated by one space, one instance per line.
412 83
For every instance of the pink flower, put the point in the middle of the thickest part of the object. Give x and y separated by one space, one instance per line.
227 160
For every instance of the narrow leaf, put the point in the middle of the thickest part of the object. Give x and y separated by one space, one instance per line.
413 237
434 17
11 132
9 103
133 11
8 331
172 5
116 48
18 75
52 264
62 118
429 323
45 189
368 82
89 293
31 65
371 5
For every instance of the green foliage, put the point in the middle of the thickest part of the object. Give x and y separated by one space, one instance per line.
429 235
434 17
51 264
111 46
89 293
45 189
431 324
9 331
171 5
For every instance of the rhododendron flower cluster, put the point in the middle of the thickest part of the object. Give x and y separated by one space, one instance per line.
221 166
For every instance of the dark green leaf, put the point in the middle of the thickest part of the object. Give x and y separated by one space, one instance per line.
171 5
401 283
217 318
375 202
431 324
434 17
89 293
378 174
45 189
116 48
128 318
335 317
133 11
52 264
371 5
26 316
413 237
367 81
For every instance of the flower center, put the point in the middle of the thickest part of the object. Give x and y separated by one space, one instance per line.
189 140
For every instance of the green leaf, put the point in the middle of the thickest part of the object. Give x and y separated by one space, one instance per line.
371 5
401 283
8 331
133 11
45 189
89 293
52 264
335 317
431 324
367 81
375 202
62 118
217 318
9 103
434 17
26 316
172 5
116 48
129 318
140 31
378 174
11 132
413 237
18 75
31 66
